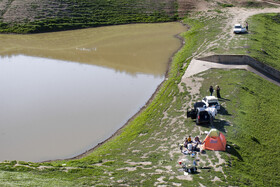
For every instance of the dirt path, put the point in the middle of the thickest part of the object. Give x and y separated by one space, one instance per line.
234 15
198 66
240 15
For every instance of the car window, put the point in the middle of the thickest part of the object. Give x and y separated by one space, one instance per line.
237 27
199 104
204 99
214 103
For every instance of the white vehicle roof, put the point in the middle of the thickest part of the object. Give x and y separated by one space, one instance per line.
211 98
237 25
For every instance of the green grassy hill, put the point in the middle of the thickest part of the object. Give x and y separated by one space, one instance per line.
264 42
30 16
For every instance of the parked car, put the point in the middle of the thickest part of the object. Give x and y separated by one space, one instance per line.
199 105
238 29
211 101
203 116
193 112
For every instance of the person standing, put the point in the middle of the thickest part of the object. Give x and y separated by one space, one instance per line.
218 91
211 90
247 26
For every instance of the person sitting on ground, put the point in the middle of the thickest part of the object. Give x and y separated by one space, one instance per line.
191 169
190 147
195 147
189 139
196 140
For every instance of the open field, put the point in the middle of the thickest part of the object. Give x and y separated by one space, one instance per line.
264 41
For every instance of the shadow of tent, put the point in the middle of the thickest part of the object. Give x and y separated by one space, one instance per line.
233 152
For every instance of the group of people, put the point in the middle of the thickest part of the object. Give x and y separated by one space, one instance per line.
211 90
192 148
189 144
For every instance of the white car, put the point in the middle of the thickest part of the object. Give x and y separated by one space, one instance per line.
239 29
211 101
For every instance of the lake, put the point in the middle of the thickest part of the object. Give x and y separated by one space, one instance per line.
64 92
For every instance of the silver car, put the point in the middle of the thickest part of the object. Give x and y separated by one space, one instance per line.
238 29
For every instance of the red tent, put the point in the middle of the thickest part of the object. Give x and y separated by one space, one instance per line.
215 141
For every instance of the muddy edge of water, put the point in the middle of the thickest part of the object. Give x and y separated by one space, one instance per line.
118 132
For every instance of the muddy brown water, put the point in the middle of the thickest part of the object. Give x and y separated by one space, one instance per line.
62 93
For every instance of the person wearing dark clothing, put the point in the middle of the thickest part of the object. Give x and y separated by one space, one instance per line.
247 26
211 90
196 139
218 92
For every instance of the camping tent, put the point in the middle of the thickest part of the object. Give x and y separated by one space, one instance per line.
215 141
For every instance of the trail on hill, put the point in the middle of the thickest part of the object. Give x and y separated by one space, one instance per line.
235 15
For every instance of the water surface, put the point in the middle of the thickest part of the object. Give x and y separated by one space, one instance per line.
63 93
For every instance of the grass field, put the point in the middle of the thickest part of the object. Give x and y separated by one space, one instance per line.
264 42
254 126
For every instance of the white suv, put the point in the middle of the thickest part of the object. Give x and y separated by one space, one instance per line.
211 101
239 29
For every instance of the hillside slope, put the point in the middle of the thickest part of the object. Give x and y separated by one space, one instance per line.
27 16
33 16
31 10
